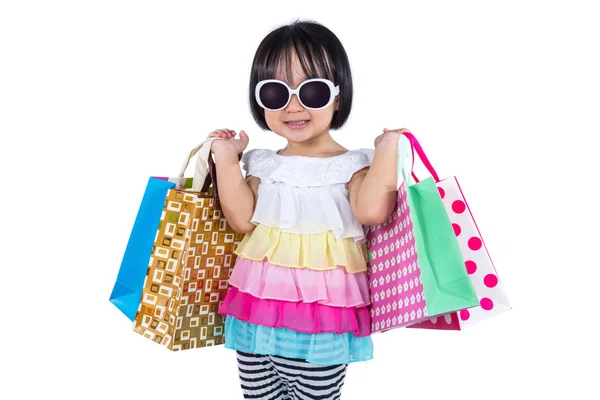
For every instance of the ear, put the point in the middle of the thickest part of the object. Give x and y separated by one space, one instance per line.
337 103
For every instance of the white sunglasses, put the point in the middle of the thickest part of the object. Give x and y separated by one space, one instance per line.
314 94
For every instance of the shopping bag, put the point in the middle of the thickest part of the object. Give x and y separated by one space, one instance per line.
416 269
127 289
478 263
190 263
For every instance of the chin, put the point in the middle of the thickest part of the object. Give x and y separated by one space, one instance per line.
299 137
295 135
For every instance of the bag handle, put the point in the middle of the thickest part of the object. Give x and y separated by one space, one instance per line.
405 161
205 171
417 147
201 170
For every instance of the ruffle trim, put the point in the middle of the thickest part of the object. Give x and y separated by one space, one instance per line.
308 210
302 171
298 316
319 348
333 287
320 251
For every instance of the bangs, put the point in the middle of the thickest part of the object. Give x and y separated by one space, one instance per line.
313 60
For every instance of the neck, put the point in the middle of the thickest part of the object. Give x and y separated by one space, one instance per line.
322 144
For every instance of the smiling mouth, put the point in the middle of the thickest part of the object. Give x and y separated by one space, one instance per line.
297 123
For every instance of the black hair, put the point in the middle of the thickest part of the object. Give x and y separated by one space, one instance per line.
321 55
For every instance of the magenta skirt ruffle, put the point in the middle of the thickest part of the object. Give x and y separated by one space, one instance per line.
297 316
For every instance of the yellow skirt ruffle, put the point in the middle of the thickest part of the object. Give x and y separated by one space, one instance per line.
318 251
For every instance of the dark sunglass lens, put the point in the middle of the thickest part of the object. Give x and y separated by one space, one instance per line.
273 95
315 94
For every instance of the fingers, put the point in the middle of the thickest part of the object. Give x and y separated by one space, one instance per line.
385 130
223 133
244 137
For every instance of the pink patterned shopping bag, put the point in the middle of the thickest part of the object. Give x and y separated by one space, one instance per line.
415 268
395 280
478 263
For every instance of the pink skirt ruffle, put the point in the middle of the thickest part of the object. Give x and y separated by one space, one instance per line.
333 287
298 316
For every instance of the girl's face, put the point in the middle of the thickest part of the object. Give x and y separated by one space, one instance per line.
318 121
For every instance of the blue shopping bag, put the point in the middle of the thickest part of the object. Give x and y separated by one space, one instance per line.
127 290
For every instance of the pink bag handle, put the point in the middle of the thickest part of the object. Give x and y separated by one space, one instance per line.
417 146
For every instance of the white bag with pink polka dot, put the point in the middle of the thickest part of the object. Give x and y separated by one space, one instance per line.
479 265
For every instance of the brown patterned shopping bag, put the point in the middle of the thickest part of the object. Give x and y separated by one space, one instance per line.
190 264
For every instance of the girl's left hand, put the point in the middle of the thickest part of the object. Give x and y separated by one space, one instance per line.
389 136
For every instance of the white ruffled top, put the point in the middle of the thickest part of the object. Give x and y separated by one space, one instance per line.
306 195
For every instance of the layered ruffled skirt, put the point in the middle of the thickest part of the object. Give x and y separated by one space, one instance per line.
299 296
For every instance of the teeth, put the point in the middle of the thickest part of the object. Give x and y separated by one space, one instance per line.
297 123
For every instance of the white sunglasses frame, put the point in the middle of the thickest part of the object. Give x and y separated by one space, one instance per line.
334 90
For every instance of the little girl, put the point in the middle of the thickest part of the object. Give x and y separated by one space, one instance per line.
297 311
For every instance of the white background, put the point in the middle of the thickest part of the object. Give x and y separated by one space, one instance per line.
96 96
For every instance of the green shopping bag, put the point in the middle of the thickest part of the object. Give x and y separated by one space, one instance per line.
446 283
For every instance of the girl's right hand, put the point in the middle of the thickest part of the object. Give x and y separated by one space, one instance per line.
231 146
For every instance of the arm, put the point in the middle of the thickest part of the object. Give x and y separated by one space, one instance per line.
373 190
237 195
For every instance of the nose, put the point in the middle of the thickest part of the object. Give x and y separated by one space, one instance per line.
294 104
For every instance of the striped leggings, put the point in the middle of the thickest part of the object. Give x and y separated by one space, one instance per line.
267 377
